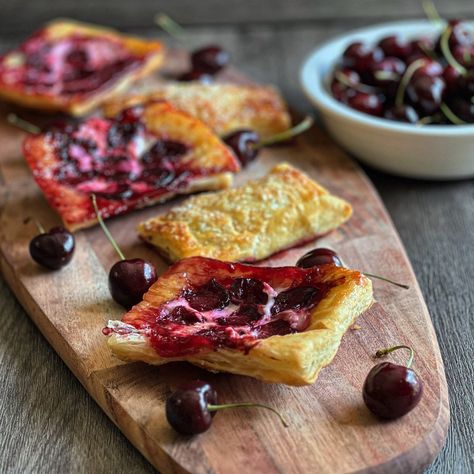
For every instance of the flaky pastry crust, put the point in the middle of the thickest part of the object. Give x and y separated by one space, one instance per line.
224 107
293 359
151 51
250 222
207 154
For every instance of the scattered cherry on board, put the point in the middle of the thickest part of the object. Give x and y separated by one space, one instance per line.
53 249
206 61
246 144
391 390
129 279
324 256
419 81
192 406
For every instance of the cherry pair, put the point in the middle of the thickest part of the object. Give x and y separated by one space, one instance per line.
129 279
390 391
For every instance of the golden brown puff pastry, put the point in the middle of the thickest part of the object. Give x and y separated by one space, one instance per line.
274 324
224 107
73 67
250 222
145 157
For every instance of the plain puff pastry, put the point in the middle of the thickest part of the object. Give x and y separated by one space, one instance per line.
223 107
293 359
250 222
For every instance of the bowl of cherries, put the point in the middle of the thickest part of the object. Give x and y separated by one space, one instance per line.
400 96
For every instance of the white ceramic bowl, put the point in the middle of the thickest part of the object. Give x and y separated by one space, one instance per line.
429 151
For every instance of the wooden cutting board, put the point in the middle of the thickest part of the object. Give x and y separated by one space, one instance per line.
330 430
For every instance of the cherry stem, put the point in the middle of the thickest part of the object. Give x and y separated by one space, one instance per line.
344 80
386 75
23 124
384 352
247 405
427 120
40 228
450 115
444 43
104 228
175 30
431 12
406 79
306 123
378 277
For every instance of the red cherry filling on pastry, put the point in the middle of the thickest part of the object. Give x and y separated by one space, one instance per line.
117 159
229 305
75 64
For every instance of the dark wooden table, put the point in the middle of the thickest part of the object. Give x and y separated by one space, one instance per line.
48 423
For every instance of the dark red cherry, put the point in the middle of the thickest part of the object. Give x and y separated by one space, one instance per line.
421 46
395 46
340 91
348 77
391 390
430 68
426 93
211 295
388 72
402 113
451 77
463 108
361 57
365 102
294 298
466 83
317 257
190 409
130 279
248 290
53 249
210 59
464 55
460 34
241 142
187 408
196 75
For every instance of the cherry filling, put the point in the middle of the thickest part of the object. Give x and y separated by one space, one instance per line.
232 312
76 64
117 159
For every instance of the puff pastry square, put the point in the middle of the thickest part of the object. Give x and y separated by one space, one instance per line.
275 324
248 223
224 107
72 67
143 156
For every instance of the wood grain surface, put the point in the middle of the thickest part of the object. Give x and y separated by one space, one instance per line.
70 308
50 424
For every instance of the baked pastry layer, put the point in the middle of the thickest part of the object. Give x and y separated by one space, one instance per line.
224 107
250 222
294 358
43 89
145 156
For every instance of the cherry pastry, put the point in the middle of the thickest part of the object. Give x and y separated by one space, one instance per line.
243 319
